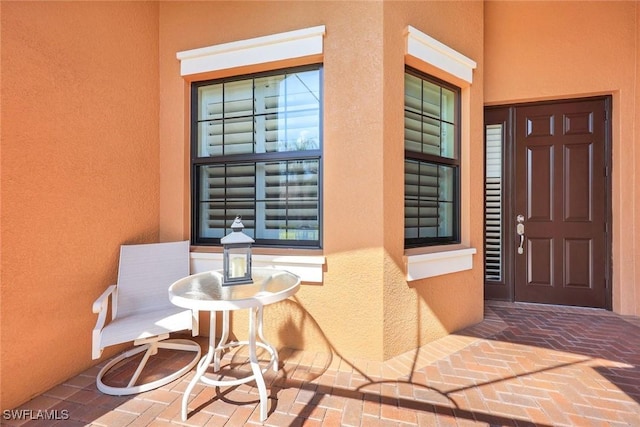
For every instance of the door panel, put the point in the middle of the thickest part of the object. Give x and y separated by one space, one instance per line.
540 261
576 274
578 167
560 189
539 184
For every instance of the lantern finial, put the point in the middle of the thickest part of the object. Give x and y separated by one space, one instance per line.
237 224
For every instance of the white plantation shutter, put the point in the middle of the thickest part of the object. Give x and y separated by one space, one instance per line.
493 203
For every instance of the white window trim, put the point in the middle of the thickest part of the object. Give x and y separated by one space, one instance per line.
433 52
421 266
309 268
259 50
439 260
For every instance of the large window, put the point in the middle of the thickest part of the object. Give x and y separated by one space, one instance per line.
432 161
257 152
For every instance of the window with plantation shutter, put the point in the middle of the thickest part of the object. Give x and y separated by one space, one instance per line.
256 152
493 186
432 164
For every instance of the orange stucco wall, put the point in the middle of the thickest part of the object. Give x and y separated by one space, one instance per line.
556 50
79 174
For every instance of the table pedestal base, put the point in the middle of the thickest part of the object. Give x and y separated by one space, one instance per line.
215 353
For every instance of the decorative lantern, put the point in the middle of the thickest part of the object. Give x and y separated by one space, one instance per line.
236 256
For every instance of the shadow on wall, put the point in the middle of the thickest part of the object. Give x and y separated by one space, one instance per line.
300 324
291 333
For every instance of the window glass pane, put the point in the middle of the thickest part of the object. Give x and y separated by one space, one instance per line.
210 138
448 105
225 192
412 93
429 200
238 136
301 128
290 201
269 109
210 106
448 141
302 131
303 91
412 131
268 94
238 99
431 136
431 99
445 219
446 212
229 136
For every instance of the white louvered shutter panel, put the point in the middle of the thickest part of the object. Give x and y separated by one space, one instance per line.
493 203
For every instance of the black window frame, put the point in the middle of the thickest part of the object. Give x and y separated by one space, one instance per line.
253 158
430 159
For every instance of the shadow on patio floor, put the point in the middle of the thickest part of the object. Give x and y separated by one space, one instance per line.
524 365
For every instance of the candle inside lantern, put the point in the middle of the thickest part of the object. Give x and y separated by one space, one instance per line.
238 267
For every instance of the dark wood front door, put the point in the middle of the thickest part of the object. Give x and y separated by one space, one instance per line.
557 210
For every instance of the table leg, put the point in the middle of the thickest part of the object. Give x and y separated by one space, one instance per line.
223 339
274 353
215 354
202 365
253 358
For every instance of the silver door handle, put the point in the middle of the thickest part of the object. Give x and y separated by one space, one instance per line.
520 248
520 232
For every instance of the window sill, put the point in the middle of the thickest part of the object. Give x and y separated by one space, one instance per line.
437 262
309 268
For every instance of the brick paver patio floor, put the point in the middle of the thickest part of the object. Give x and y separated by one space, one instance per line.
524 365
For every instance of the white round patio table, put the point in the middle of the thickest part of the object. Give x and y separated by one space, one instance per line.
205 292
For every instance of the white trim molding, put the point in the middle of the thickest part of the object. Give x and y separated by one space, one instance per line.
309 268
421 266
431 51
259 50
